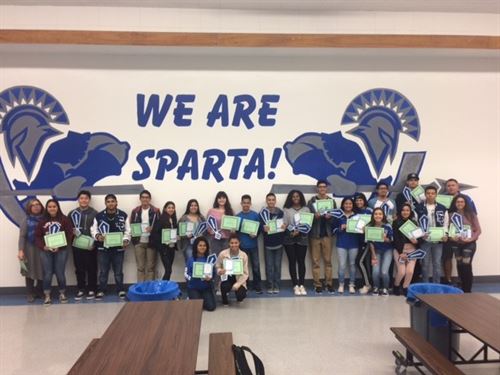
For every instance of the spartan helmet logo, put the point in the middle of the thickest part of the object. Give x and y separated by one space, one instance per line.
381 115
25 117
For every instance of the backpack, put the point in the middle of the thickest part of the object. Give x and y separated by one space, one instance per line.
241 363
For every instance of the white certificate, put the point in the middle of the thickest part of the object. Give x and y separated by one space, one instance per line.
417 233
143 229
279 224
228 266
189 227
296 218
207 269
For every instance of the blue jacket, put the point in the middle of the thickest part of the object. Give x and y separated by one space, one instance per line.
385 246
276 239
345 240
439 212
195 283
247 242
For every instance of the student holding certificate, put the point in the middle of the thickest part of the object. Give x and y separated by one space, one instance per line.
453 189
402 247
273 235
142 220
232 267
221 207
84 252
437 222
320 236
412 184
296 240
52 236
381 250
383 201
362 260
464 244
191 219
201 287
111 230
249 230
165 237
347 245
28 253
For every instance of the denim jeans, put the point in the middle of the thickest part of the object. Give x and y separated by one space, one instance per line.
433 254
207 295
343 255
384 260
187 251
273 266
54 262
253 255
107 259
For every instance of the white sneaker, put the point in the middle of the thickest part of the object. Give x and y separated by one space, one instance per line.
303 291
375 291
364 290
385 292
340 290
296 290
352 289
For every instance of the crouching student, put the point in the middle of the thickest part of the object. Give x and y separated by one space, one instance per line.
232 278
381 253
402 247
200 288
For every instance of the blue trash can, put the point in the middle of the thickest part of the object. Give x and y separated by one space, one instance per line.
154 291
428 323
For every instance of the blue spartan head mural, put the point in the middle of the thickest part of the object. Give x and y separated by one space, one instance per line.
28 118
381 115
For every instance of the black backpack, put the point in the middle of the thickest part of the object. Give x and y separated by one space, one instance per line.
241 363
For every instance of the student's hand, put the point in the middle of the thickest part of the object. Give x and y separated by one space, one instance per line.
386 239
75 232
374 261
232 231
343 226
445 238
283 226
210 231
252 236
425 236
221 272
295 233
235 287
266 228
125 243
99 237
467 240
20 254
455 238
208 278
414 241
403 256
317 215
190 235
148 229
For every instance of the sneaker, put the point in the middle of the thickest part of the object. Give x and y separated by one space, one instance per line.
375 291
276 290
318 290
364 290
352 289
397 290
217 292
30 298
270 291
63 298
225 304
79 295
385 292
258 291
330 289
340 290
122 294
90 295
99 296
47 300
296 290
303 291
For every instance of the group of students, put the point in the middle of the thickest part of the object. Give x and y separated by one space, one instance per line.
86 231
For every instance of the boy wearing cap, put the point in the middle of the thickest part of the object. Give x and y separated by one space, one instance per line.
412 182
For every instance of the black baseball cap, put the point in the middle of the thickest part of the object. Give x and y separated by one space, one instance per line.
412 176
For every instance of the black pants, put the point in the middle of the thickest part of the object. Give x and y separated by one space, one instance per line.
363 264
167 255
33 290
464 253
226 286
207 295
85 269
296 257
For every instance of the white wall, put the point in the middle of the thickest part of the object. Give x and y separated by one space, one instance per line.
456 95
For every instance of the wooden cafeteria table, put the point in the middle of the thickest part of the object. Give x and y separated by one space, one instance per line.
149 338
477 314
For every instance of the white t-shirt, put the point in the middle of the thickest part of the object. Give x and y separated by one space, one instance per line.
144 224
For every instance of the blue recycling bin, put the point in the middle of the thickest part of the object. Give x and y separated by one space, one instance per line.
157 290
428 323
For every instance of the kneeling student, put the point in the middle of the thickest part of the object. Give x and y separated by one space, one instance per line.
232 266
200 288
